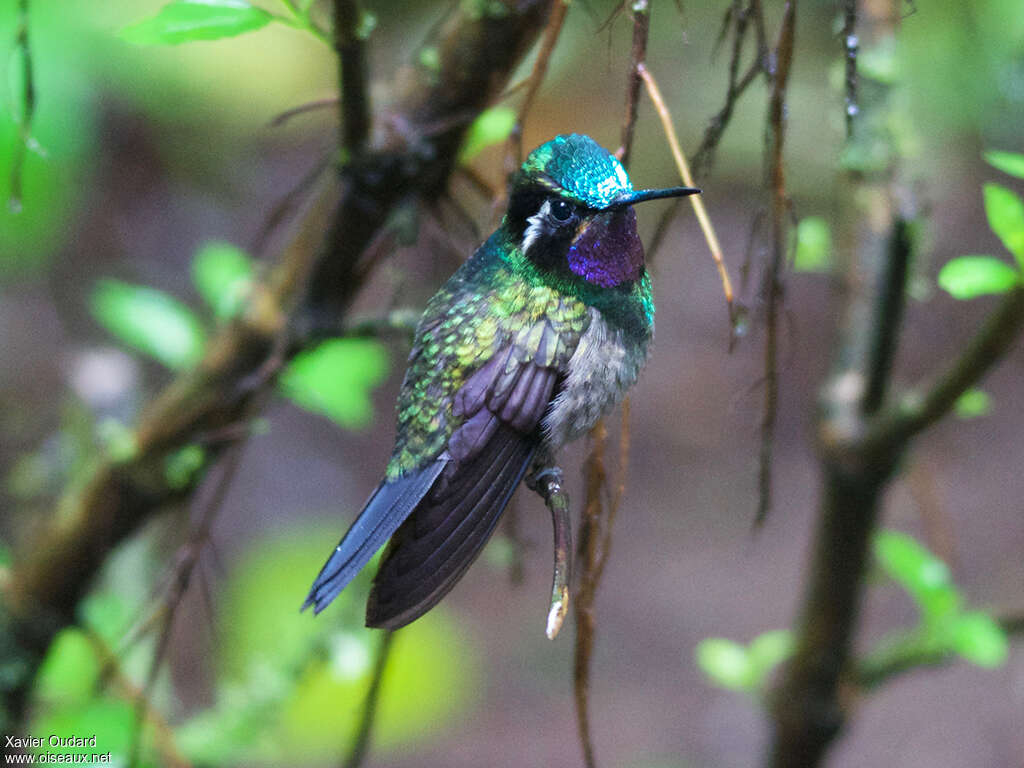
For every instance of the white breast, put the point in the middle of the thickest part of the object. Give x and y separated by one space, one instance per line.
601 369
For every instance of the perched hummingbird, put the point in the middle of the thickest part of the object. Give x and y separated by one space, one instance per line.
528 344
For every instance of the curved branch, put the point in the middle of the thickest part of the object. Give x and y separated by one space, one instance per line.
315 278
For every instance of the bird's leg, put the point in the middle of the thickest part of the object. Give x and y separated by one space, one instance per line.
546 479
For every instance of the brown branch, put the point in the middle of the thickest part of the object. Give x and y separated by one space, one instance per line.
861 440
588 556
361 745
695 200
638 55
916 412
514 150
782 58
315 278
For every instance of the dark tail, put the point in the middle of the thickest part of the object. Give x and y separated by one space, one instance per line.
447 530
386 510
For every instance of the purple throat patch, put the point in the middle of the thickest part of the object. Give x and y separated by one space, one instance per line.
608 252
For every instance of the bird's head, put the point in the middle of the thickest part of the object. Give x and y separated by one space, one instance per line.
570 210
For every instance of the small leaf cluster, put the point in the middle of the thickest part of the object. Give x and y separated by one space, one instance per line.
967 277
737 667
945 628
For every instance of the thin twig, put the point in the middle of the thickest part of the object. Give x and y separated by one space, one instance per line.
588 556
638 55
698 204
775 135
179 585
287 205
514 149
739 18
355 98
310 106
916 412
112 673
361 745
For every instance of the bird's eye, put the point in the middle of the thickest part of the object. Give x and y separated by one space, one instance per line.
561 211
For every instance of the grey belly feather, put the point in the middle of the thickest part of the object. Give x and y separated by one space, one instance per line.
604 366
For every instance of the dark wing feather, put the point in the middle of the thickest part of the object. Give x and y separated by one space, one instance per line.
500 407
385 511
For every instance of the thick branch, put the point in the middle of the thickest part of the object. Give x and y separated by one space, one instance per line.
862 440
477 54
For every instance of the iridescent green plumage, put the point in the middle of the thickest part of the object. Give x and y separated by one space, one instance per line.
536 336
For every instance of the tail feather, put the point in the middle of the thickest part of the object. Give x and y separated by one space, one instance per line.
441 539
385 511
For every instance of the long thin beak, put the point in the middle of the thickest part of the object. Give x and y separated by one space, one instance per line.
643 195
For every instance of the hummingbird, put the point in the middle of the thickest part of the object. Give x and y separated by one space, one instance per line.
536 336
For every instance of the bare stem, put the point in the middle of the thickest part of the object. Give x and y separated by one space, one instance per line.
775 136
355 100
361 745
695 200
638 54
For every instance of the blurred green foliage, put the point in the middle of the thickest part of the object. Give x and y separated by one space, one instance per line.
813 245
222 273
748 668
944 627
973 403
290 686
335 379
184 21
967 277
150 321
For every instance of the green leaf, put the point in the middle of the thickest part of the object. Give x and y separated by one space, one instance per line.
979 639
1007 162
967 277
70 671
493 126
813 245
726 663
181 466
972 404
335 379
767 651
182 21
1005 211
222 274
150 321
924 576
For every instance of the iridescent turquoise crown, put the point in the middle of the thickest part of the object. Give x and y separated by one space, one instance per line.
578 166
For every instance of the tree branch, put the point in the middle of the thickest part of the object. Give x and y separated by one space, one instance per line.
477 54
860 439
